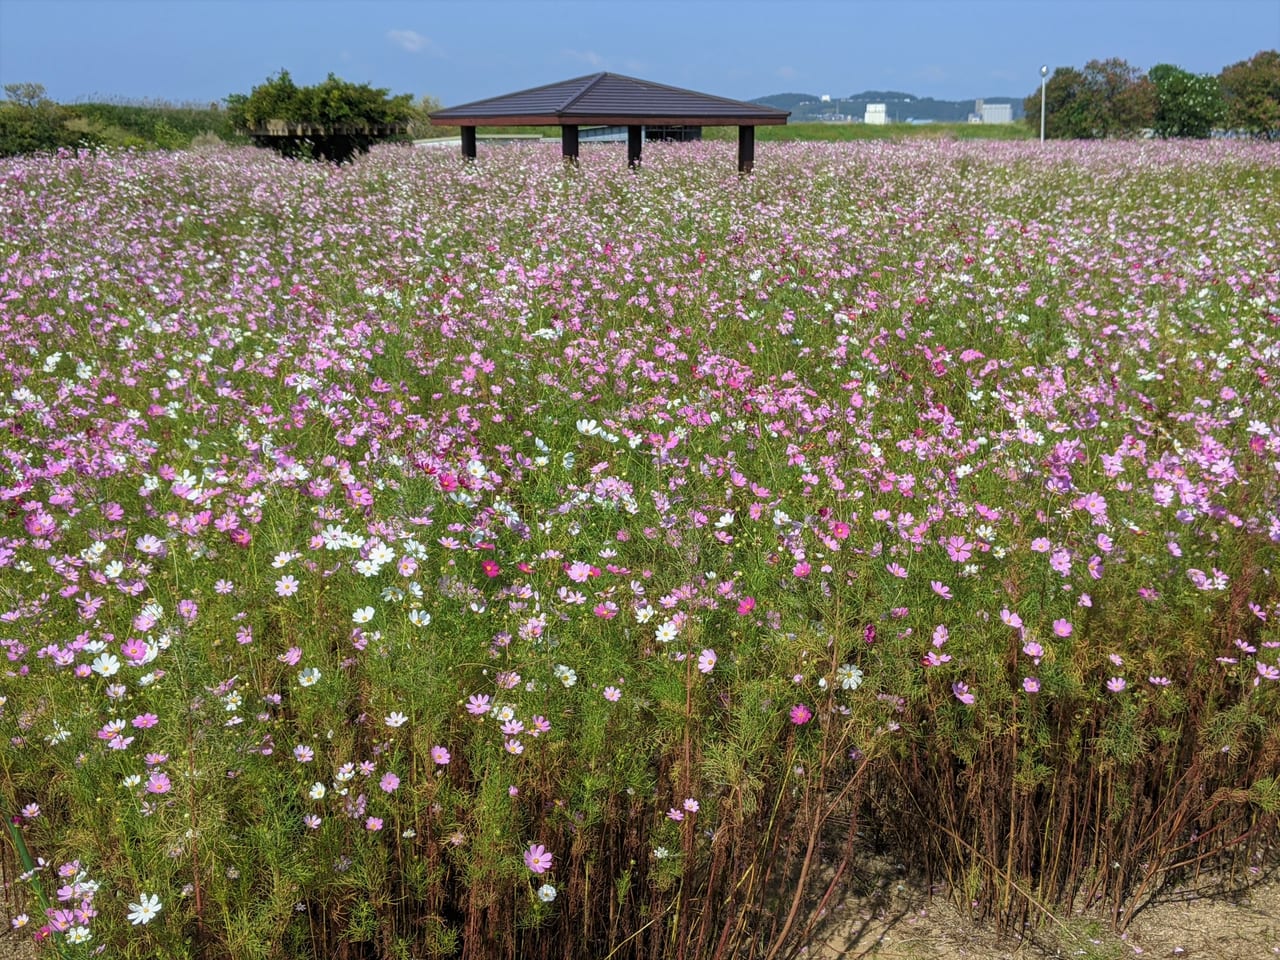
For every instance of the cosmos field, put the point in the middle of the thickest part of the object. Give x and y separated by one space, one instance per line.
421 559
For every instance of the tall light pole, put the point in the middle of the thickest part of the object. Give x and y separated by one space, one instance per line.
1044 72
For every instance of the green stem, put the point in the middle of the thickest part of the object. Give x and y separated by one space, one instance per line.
29 868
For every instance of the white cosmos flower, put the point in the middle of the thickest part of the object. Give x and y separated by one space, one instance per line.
308 677
382 554
106 665
317 791
145 910
363 615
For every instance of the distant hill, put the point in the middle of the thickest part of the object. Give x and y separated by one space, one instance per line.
901 107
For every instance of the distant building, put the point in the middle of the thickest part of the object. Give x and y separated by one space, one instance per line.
991 112
876 113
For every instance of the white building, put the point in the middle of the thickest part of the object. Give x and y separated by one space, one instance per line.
877 113
991 112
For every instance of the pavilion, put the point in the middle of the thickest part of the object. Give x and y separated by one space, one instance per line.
610 99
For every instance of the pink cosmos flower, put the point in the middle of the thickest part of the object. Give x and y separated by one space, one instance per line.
537 859
440 755
801 714
144 720
1031 684
158 782
1062 628
373 824
478 704
941 589
490 568
961 691
707 661
1116 684
389 782
959 549
897 569
746 605
612 694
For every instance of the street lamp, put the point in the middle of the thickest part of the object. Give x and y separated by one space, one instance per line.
1044 72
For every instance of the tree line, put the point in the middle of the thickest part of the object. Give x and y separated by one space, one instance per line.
353 115
1112 98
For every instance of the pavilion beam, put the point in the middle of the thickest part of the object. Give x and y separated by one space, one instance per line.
569 142
746 148
468 143
635 139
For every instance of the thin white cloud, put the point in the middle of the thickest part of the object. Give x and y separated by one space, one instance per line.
589 57
786 73
410 41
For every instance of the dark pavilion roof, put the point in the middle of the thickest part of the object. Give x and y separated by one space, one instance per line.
608 98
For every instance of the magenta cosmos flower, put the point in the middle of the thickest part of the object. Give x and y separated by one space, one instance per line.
537 858
800 714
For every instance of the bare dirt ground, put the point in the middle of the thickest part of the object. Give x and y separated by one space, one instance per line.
899 921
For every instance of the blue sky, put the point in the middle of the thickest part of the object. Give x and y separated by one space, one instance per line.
462 50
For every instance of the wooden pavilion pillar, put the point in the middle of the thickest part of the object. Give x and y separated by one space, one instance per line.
468 143
569 142
746 148
635 138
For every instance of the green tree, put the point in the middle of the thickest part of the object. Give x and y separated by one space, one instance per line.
1251 95
1120 99
1187 105
1066 102
333 120
420 125
30 122
25 94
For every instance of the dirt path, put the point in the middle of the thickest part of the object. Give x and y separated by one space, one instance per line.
900 922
